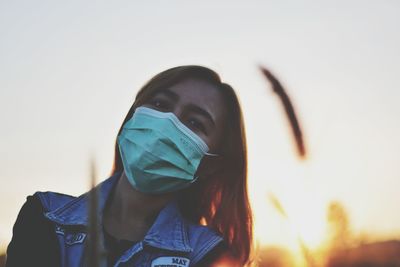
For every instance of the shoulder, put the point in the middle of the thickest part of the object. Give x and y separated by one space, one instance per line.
33 237
52 200
38 203
32 212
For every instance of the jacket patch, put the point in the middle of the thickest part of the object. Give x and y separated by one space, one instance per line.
75 238
59 230
170 262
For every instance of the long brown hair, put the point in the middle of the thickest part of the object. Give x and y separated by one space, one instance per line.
226 209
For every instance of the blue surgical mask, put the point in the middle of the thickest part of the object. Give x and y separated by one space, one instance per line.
159 153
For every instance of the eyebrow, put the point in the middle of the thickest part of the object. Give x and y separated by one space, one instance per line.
168 93
192 107
201 111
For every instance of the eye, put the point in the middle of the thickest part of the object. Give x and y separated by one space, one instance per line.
196 125
159 104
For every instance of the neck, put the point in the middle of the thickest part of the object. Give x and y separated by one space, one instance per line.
130 212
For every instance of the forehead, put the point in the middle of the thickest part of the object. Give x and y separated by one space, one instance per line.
199 93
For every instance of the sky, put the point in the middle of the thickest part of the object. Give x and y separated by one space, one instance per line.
69 72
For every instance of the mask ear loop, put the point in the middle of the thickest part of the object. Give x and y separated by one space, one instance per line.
194 180
211 154
191 182
197 177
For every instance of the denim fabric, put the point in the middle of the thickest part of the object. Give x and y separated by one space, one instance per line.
171 240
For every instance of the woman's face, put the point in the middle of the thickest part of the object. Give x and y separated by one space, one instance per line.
197 104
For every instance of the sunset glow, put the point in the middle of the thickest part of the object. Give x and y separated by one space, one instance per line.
70 72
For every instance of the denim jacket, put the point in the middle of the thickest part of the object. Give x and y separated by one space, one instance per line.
171 241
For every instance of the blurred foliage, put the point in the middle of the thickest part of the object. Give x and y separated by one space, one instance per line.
2 260
339 226
343 248
275 257
385 254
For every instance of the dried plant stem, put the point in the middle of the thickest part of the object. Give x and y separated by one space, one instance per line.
290 112
93 245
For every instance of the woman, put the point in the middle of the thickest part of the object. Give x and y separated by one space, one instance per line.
177 195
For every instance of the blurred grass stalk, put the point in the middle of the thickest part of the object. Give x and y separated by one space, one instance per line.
93 246
289 110
301 152
305 251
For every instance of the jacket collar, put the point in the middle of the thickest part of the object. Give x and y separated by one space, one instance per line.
169 231
76 211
